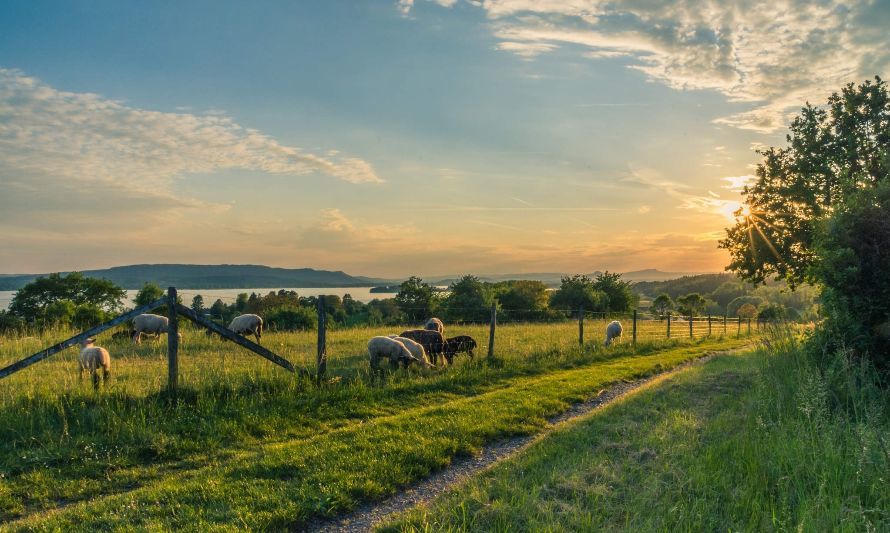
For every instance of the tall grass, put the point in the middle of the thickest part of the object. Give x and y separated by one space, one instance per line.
773 441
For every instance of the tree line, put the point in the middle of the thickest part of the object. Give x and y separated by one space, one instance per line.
74 300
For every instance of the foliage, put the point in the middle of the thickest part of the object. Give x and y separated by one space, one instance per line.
691 304
619 296
416 299
147 294
702 284
728 292
854 248
86 316
746 311
833 155
577 292
771 312
291 319
469 300
732 308
52 299
662 304
198 304
9 323
522 299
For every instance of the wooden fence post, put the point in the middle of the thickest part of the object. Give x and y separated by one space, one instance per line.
492 325
581 326
635 328
669 324
749 326
738 332
709 325
172 342
321 356
724 324
691 335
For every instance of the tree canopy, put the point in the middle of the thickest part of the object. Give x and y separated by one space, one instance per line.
832 153
55 298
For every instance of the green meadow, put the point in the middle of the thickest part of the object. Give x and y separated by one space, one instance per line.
246 444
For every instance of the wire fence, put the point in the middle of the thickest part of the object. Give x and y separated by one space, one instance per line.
332 350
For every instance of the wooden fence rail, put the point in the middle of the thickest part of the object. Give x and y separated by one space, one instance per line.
77 339
237 339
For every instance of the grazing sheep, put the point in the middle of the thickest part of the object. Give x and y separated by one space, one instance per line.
380 348
459 344
613 331
432 341
244 324
434 324
148 323
92 358
414 347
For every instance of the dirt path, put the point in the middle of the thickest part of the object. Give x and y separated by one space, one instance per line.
366 516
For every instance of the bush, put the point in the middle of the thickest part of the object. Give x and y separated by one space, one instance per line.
291 319
855 247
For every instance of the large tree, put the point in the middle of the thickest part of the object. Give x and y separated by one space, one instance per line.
57 293
818 211
578 292
832 153
415 298
620 297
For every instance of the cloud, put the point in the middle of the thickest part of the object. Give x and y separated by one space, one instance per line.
774 55
84 137
737 183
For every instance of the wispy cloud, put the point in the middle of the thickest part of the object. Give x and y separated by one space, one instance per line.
774 55
88 138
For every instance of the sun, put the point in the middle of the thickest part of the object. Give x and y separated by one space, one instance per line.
746 212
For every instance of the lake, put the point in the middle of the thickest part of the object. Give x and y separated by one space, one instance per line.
362 294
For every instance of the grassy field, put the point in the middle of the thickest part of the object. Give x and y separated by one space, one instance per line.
740 443
247 443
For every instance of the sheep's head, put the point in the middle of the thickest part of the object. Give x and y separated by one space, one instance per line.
87 342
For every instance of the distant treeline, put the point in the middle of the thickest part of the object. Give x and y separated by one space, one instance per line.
79 301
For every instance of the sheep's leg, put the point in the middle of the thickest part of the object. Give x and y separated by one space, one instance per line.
105 375
80 374
137 337
257 335
470 353
95 375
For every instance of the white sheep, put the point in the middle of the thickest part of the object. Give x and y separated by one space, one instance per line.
380 348
613 331
92 358
148 323
244 324
434 324
415 348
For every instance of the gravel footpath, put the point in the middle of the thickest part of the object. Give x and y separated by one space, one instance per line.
367 516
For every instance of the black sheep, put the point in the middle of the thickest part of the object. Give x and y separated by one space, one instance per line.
459 344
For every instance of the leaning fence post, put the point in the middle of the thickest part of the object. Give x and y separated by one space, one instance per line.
321 357
491 328
635 328
172 342
690 326
669 324
581 326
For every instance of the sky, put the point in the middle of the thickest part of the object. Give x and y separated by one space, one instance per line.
398 137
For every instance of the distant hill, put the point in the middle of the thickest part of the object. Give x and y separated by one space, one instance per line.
553 278
211 277
702 283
